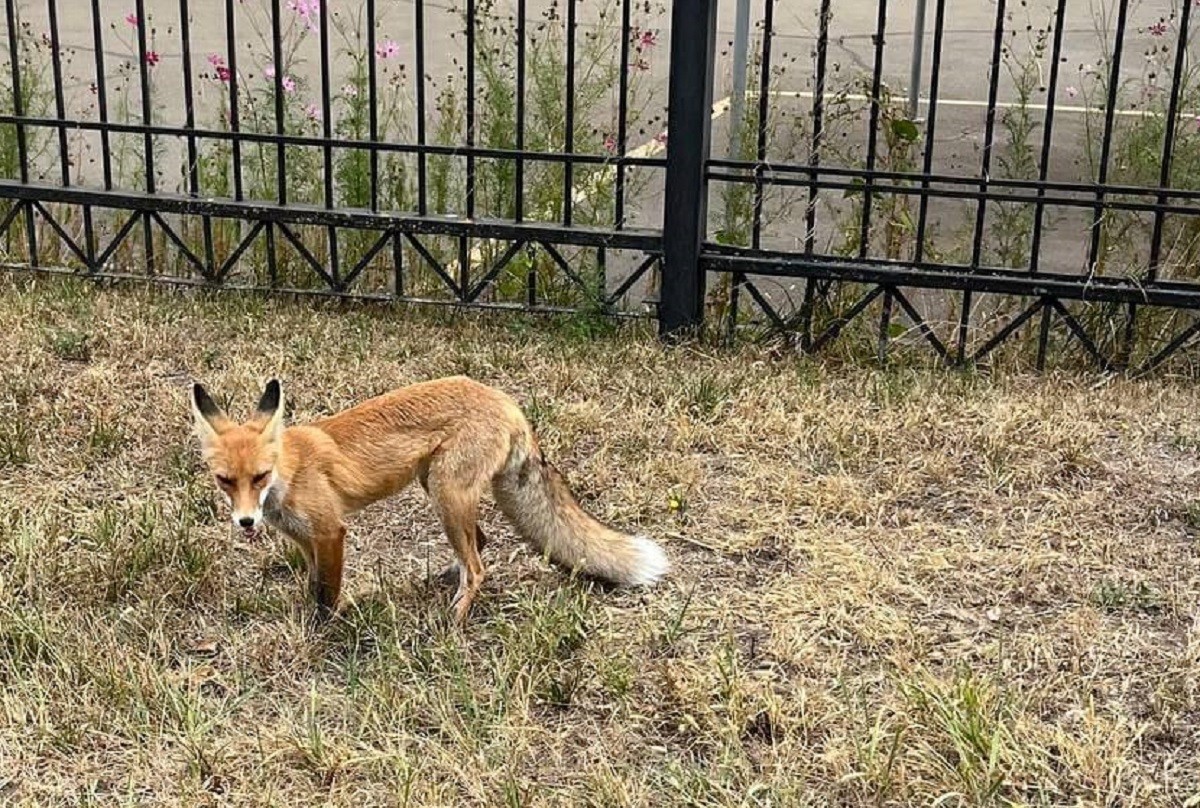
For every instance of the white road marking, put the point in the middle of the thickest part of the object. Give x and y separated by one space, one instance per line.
965 102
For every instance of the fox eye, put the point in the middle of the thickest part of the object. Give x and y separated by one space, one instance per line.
259 479
225 482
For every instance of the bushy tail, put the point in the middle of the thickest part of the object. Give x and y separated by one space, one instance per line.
536 498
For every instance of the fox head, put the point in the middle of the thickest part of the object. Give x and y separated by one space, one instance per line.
241 457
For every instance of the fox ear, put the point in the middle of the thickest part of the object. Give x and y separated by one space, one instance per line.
270 409
210 419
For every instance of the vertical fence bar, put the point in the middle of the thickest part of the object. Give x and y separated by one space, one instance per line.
470 120
397 264
1039 208
60 110
814 163
331 232
60 106
622 111
234 101
101 95
1164 180
281 194
569 138
1110 111
935 75
14 59
818 128
18 100
372 110
147 121
985 170
189 122
864 236
272 257
531 277
101 90
873 130
764 110
147 97
327 107
1168 148
989 132
689 130
1043 335
519 177
189 98
760 157
419 33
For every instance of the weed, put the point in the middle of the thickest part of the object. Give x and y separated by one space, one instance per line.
1116 596
971 725
16 441
105 437
70 344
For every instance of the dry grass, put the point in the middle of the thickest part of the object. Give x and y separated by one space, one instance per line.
893 587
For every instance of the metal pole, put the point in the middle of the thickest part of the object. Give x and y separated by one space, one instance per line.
918 54
689 136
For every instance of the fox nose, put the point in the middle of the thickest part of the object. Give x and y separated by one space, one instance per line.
246 521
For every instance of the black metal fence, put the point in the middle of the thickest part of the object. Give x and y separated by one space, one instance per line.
514 153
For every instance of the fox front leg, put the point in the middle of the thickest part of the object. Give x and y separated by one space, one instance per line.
325 572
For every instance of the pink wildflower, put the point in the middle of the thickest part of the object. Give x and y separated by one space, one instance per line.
387 49
152 58
309 11
1157 29
132 19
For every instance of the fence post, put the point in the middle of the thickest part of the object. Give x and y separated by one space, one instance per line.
689 132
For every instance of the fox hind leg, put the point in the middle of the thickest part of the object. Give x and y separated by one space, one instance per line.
453 574
458 512
456 498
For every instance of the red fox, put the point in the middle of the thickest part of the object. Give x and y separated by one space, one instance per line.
454 435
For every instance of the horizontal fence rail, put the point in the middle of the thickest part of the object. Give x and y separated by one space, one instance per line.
962 180
360 149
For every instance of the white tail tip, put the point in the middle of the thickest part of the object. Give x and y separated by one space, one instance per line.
652 563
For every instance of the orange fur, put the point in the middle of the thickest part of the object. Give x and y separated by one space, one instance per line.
456 436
